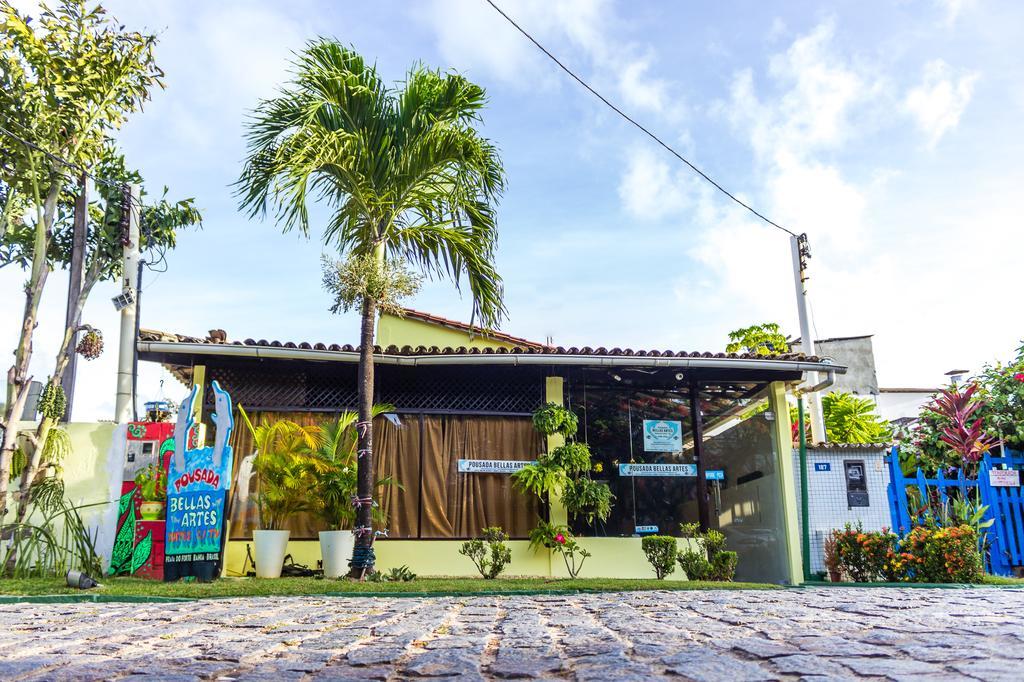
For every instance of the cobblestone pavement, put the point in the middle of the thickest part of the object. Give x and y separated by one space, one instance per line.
917 634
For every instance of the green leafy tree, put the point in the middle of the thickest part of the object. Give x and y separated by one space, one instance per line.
849 419
760 339
408 180
66 80
159 221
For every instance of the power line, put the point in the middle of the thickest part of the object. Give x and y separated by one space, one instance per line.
638 125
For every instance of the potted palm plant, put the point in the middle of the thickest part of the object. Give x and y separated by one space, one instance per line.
152 485
283 483
334 467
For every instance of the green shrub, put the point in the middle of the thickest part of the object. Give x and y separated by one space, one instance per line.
714 563
661 553
694 564
723 566
490 555
865 556
942 555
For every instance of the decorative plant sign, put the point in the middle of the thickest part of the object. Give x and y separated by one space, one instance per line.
491 466
1004 478
661 435
197 486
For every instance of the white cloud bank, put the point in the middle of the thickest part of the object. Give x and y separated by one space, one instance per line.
937 104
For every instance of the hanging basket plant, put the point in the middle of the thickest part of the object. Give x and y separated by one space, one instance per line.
91 345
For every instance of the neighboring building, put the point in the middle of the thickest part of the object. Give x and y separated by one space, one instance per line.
461 395
857 354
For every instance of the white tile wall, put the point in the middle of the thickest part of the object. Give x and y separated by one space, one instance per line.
826 495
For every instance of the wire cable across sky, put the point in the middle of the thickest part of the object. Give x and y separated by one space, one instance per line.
626 116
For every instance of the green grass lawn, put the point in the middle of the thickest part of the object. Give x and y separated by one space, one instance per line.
999 580
255 587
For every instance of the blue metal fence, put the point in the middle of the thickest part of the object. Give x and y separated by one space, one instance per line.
1005 505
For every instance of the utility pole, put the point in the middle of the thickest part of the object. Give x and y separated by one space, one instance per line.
801 254
75 287
128 302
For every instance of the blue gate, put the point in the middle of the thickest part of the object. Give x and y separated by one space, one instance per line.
1005 505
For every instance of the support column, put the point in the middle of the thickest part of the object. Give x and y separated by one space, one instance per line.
129 283
782 440
697 428
198 380
554 392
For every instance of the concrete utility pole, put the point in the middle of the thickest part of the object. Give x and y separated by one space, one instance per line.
129 285
75 286
801 253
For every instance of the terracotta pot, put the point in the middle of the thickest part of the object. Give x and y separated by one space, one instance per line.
835 576
151 510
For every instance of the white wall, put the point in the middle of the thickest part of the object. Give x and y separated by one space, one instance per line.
826 495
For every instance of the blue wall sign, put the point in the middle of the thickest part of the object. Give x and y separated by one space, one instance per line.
646 529
822 466
714 475
662 435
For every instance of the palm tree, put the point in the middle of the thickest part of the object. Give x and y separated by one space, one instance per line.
409 179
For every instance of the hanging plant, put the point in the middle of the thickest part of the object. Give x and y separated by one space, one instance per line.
91 345
573 457
52 401
552 419
588 498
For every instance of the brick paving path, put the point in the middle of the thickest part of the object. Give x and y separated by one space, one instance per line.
905 634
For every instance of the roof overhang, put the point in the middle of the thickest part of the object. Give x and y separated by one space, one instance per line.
160 350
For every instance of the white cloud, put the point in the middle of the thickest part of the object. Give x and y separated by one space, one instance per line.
651 189
940 100
952 9
579 33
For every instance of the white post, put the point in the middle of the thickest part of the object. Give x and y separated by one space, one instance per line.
817 421
126 351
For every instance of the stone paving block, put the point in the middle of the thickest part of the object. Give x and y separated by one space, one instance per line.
891 668
442 664
701 664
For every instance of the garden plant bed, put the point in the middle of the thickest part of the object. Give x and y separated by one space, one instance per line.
129 588
988 581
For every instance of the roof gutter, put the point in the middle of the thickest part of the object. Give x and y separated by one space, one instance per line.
514 359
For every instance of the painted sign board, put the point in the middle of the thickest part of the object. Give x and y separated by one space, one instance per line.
639 469
823 466
197 485
663 435
1004 478
646 529
492 466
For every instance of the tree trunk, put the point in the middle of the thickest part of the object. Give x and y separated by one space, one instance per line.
35 460
18 378
364 461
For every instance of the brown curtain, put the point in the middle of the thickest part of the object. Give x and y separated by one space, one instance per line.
435 502
396 455
462 505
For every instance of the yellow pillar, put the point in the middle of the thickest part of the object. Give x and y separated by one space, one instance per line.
198 380
554 392
783 440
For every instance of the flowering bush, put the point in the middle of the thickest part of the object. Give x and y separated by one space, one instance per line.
863 555
941 555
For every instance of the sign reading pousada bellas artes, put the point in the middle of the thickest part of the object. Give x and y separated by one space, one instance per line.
198 481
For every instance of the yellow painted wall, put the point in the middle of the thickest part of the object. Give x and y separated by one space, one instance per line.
612 558
406 331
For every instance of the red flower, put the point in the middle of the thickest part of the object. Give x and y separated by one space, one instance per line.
560 539
1019 376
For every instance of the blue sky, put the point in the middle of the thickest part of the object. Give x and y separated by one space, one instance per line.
890 132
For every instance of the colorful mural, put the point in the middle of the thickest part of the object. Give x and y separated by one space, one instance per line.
138 544
197 486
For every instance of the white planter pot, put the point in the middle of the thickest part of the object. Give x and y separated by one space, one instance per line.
336 551
271 546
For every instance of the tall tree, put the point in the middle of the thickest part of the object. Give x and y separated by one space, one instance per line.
159 221
408 178
66 80
759 339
